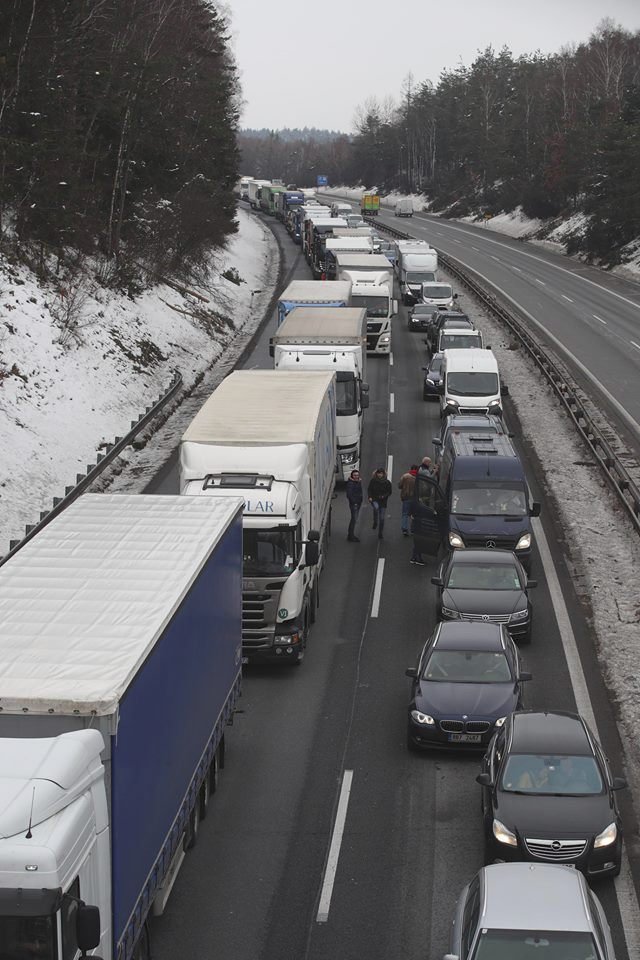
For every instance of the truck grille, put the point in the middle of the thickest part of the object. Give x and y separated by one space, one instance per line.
259 612
558 850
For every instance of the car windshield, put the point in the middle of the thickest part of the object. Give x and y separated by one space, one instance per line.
440 291
346 397
375 306
535 945
435 366
458 341
28 938
268 553
467 666
489 499
419 278
468 384
483 576
539 774
423 310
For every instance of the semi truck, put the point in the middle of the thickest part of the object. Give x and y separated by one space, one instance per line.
332 339
269 198
310 214
321 231
314 293
255 190
287 202
120 652
372 288
416 263
369 204
335 245
270 437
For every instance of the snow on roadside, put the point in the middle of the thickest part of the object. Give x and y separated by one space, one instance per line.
62 397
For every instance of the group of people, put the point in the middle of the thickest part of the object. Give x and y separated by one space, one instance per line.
379 490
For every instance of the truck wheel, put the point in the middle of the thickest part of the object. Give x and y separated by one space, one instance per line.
191 834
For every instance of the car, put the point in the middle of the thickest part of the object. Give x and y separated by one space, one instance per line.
548 795
432 378
446 318
485 585
388 248
516 910
354 220
421 317
468 679
478 425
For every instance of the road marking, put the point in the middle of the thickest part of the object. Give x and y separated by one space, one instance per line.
456 241
624 888
565 297
494 258
390 359
334 850
540 281
389 466
392 403
517 268
635 344
476 248
596 317
377 590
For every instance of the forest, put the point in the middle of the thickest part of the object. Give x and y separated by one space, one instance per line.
554 134
118 130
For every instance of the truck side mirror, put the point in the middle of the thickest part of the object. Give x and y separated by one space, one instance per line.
311 553
437 442
271 348
488 346
364 401
535 509
395 307
455 296
437 581
313 536
504 390
87 927
411 672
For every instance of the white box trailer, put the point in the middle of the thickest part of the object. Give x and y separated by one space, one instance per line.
313 293
416 263
331 339
270 437
335 245
253 188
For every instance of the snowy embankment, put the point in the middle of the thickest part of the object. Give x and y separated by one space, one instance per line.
78 365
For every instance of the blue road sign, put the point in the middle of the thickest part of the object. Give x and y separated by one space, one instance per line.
322 181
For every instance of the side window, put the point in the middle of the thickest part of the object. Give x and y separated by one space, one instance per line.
470 916
428 494
68 921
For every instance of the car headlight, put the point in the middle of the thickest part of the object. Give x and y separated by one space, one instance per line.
350 457
423 718
451 403
519 615
524 542
500 721
607 837
503 835
455 540
452 614
494 403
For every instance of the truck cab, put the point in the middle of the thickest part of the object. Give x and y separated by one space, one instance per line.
375 294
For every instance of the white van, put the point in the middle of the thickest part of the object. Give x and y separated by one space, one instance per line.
341 209
459 338
439 295
404 207
470 383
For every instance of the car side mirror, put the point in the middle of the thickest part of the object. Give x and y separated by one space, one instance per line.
535 509
524 677
619 783
484 779
424 368
437 442
532 584
504 390
411 672
455 296
488 346
87 927
437 581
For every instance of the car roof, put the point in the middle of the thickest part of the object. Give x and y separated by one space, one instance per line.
463 635
484 555
534 896
471 361
552 733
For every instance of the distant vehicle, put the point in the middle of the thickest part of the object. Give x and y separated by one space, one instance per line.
421 317
314 293
509 909
548 794
404 208
354 220
388 248
441 295
416 263
369 204
487 585
468 679
452 317
457 338
341 209
432 378
244 188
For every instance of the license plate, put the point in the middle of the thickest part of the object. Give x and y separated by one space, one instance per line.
465 737
245 660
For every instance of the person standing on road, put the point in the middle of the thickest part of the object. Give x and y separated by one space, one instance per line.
407 486
416 555
354 497
426 467
378 492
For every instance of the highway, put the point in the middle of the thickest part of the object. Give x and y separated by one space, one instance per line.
318 752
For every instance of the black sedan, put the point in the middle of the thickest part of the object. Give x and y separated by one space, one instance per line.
486 585
468 679
432 378
548 794
421 317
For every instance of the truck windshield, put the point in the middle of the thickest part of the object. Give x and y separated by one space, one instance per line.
469 384
420 277
28 938
268 553
346 405
375 306
489 498
440 292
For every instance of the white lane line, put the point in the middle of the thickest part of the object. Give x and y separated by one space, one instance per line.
537 279
517 268
565 297
635 344
377 590
456 241
392 403
596 317
494 258
390 359
625 890
476 248
334 850
389 465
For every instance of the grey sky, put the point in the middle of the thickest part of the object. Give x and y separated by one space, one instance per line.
311 64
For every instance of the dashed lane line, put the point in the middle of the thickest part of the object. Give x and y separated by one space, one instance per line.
565 297
596 317
392 403
377 590
334 850
389 466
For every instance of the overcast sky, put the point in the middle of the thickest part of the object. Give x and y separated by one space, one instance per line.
311 64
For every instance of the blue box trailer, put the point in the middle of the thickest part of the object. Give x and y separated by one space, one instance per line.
120 654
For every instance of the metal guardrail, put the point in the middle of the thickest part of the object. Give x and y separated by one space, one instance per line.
83 481
616 474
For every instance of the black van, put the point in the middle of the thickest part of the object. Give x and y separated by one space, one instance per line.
481 499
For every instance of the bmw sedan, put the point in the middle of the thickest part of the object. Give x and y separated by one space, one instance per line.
548 794
485 585
516 910
468 679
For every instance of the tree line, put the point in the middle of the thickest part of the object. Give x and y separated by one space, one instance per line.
118 128
555 134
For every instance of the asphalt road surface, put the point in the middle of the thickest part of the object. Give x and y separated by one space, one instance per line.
318 753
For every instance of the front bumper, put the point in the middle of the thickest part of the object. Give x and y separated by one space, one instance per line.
602 862
432 737
519 630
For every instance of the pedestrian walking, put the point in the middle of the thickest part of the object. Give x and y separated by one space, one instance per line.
416 555
354 498
407 485
378 492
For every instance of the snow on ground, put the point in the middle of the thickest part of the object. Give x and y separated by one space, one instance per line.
602 550
67 388
514 224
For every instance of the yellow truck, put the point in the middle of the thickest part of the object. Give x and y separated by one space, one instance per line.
369 204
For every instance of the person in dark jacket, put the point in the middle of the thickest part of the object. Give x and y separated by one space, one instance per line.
354 497
378 492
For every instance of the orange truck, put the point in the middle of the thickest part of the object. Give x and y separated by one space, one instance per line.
369 204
